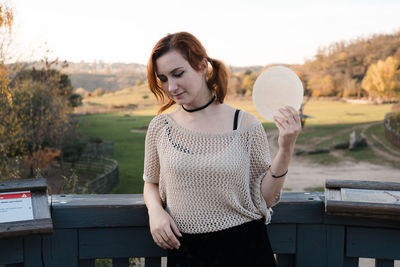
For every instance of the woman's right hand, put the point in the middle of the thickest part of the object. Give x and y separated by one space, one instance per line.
164 230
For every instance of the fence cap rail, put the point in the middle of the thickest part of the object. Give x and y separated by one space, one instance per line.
129 210
97 200
34 184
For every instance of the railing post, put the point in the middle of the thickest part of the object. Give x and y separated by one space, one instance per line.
87 263
311 245
384 263
152 262
120 262
286 260
33 251
335 245
350 262
61 248
11 251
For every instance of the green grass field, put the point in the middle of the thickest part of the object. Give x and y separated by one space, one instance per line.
329 117
128 146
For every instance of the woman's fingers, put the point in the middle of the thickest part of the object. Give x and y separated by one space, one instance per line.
280 122
172 240
160 241
161 227
294 113
291 116
175 228
288 121
287 114
167 240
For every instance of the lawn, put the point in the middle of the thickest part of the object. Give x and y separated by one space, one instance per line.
329 117
128 146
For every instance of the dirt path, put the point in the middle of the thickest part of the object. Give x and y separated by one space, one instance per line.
305 174
321 139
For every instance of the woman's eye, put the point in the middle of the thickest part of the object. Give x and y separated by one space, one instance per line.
162 79
178 75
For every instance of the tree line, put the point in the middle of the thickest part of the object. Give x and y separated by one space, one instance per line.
364 67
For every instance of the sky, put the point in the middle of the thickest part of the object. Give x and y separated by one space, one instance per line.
240 33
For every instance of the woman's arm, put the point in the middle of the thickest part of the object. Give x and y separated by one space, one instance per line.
289 127
271 187
162 227
152 198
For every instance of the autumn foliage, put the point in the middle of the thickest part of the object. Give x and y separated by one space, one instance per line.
42 158
35 109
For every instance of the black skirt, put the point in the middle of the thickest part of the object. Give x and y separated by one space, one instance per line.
245 245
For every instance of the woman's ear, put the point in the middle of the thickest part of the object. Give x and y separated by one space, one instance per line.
204 66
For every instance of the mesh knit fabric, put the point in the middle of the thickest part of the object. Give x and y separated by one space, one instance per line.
208 181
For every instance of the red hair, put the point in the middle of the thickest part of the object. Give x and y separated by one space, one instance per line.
194 52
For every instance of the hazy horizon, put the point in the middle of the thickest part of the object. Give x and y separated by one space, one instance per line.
240 33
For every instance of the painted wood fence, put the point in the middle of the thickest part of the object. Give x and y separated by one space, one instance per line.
88 227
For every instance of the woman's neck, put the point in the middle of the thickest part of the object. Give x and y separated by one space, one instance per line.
201 100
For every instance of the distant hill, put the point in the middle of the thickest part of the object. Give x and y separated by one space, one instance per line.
338 70
235 70
93 75
109 82
109 76
117 76
131 95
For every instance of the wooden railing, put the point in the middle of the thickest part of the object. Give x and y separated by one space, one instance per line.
106 181
89 227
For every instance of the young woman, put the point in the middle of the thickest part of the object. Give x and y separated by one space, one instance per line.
209 181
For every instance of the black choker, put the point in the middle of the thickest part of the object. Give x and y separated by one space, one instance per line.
196 109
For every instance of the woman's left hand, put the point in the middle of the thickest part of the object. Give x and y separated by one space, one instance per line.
289 126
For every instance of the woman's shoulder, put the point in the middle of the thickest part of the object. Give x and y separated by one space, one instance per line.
248 119
156 123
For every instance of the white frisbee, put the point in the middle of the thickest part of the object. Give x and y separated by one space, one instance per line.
275 88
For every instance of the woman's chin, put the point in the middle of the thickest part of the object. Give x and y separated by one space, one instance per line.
180 100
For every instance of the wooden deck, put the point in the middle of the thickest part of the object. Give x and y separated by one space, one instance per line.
87 227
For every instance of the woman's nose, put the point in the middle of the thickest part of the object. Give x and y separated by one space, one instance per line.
172 85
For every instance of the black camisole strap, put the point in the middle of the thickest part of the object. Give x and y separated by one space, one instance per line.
235 121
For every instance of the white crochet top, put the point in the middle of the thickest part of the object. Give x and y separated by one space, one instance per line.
208 181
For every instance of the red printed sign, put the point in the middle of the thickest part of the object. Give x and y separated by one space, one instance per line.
14 195
15 206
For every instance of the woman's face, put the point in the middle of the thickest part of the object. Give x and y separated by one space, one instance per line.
179 80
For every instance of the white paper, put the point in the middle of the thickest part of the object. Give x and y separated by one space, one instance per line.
15 206
275 88
371 196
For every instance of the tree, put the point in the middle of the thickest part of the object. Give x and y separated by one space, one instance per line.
234 85
34 108
383 79
248 82
351 88
10 128
323 87
6 22
41 98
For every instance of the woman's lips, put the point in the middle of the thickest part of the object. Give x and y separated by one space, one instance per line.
178 95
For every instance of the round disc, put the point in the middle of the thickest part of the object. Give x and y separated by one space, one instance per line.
275 88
